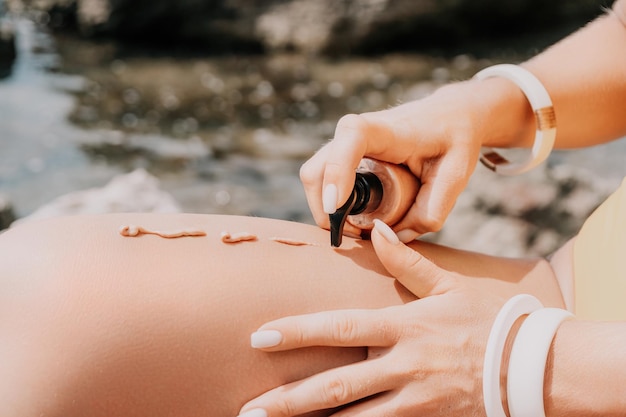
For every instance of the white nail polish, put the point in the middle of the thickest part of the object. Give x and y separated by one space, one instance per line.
265 338
329 199
386 232
255 412
407 235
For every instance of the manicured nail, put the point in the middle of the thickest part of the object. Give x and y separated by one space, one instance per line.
255 412
265 338
329 199
386 232
407 235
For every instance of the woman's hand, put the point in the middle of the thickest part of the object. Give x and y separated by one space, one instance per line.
424 357
438 138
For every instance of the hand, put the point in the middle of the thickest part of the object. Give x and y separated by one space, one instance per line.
424 357
437 137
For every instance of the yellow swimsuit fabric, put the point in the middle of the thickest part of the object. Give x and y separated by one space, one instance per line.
600 261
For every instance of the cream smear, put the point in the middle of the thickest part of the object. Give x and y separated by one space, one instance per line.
132 231
291 242
228 237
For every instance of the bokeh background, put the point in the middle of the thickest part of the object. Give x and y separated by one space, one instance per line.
211 106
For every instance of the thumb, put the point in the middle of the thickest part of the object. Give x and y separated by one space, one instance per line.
416 272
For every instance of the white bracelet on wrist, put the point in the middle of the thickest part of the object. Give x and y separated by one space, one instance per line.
509 313
527 362
541 104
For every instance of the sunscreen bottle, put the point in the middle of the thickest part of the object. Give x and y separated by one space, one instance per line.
381 191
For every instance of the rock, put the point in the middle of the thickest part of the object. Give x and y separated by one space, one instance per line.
504 236
7 46
269 144
156 147
137 191
328 26
7 215
531 214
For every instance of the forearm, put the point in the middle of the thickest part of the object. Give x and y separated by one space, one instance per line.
586 370
585 75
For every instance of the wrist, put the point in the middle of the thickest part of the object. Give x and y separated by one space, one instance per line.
506 118
506 319
557 396
524 351
506 355
543 109
585 370
528 360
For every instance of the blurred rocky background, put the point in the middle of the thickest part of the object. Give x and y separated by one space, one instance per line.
211 106
328 26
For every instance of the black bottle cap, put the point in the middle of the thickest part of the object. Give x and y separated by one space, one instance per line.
366 195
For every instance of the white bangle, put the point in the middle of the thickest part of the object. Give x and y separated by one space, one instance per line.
527 363
541 104
509 313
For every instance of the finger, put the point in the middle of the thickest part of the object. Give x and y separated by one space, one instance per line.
342 328
326 390
356 136
442 183
417 273
311 175
446 180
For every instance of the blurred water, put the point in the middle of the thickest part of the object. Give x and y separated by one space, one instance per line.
223 134
39 159
44 155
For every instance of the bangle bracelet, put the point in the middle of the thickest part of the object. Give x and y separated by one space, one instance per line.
509 313
545 117
527 363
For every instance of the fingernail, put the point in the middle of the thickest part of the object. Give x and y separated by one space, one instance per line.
329 199
386 232
407 235
265 338
255 412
